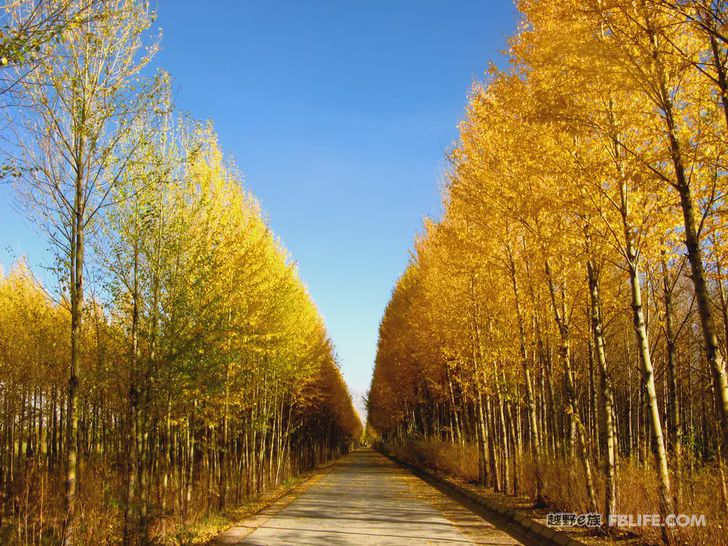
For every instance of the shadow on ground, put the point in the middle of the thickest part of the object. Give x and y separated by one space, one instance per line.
367 499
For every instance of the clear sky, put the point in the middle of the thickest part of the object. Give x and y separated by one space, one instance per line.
339 114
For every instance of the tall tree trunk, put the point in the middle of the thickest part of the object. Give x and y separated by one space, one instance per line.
483 442
76 293
576 428
533 439
607 395
653 410
493 452
673 402
721 79
692 244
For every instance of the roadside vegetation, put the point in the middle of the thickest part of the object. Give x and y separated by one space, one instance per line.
174 367
564 323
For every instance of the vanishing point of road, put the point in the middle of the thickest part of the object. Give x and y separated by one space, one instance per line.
365 498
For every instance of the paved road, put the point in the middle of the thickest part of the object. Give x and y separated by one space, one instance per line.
367 499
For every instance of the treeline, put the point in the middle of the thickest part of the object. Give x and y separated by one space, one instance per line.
568 314
181 367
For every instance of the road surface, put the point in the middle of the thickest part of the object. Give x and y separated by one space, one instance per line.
367 499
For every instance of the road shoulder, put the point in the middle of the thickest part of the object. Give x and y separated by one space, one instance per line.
270 507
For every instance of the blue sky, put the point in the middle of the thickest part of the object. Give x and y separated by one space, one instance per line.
339 114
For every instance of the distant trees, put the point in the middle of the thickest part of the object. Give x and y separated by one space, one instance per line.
578 270
194 371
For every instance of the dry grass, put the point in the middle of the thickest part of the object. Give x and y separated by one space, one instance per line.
445 457
565 488
37 512
37 509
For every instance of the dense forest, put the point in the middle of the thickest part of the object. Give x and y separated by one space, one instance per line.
564 323
179 367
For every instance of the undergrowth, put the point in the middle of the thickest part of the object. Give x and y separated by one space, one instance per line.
565 489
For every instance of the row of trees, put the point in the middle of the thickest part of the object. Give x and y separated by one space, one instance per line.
571 303
181 367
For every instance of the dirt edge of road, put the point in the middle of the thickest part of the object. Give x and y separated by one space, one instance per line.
268 507
520 527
